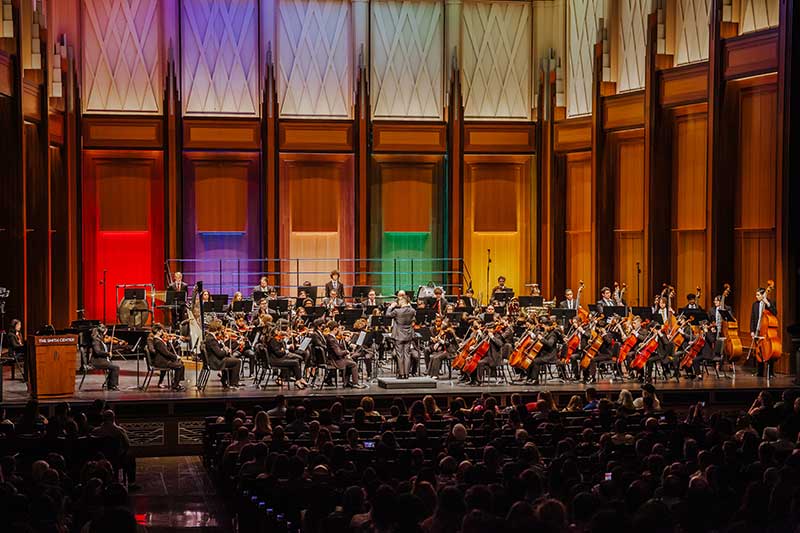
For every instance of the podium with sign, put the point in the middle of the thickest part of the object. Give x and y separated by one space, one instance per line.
52 365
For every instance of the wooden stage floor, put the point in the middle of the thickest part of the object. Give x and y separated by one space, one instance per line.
721 390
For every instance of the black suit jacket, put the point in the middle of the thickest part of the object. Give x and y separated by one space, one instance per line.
335 349
755 313
339 289
161 351
214 352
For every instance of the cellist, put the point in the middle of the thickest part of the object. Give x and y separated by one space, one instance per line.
761 304
547 355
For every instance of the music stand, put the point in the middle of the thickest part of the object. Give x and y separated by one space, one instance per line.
503 295
424 316
241 306
643 312
725 315
174 297
488 318
259 295
611 310
696 315
531 301
280 305
310 290
563 315
349 316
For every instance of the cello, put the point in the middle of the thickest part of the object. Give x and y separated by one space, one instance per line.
767 340
627 345
729 331
592 349
649 346
694 348
520 349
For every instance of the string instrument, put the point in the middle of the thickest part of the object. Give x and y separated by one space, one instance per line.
573 342
619 293
626 347
108 339
676 334
694 348
461 358
480 351
668 292
531 355
520 349
729 331
768 346
592 349
649 346
581 313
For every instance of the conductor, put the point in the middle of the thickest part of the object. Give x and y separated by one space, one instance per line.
402 334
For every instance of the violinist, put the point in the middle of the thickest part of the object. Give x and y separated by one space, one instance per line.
243 344
339 355
221 356
761 304
366 350
443 346
280 357
163 357
548 353
101 357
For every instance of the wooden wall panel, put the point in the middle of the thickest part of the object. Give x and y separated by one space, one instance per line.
755 207
573 135
122 132
497 216
751 54
37 235
407 218
222 214
683 85
497 138
60 241
322 186
12 207
127 253
315 135
579 217
221 134
628 184
689 204
409 137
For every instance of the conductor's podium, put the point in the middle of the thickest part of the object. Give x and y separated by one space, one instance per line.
52 361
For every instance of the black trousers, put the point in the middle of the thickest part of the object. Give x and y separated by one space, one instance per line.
113 370
289 363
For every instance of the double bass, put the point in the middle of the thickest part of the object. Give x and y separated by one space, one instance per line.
767 343
729 331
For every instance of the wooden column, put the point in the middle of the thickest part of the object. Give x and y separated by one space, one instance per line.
269 157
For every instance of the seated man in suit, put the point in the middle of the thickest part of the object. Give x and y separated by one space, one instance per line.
101 357
221 357
163 357
280 357
332 300
340 357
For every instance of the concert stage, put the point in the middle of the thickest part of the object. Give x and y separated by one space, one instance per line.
719 391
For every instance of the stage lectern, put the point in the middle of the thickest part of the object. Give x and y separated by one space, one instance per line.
52 365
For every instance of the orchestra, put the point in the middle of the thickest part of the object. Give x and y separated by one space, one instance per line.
442 336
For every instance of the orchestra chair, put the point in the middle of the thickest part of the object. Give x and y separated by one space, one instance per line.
88 367
152 368
268 372
205 370
320 366
330 371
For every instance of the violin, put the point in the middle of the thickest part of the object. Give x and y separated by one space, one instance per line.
108 339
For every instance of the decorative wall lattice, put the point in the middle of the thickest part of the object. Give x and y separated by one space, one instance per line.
315 67
691 31
496 59
757 15
220 57
407 41
121 58
145 433
632 44
583 19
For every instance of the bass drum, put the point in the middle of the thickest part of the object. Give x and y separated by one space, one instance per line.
133 313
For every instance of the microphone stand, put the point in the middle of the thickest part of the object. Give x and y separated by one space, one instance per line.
488 269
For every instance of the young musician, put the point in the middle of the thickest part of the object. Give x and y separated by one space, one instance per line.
332 300
443 346
280 357
548 353
221 357
163 357
439 301
500 287
605 299
101 358
177 284
18 348
691 302
340 356
501 338
761 304
569 300
371 300
469 299
403 335
334 285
